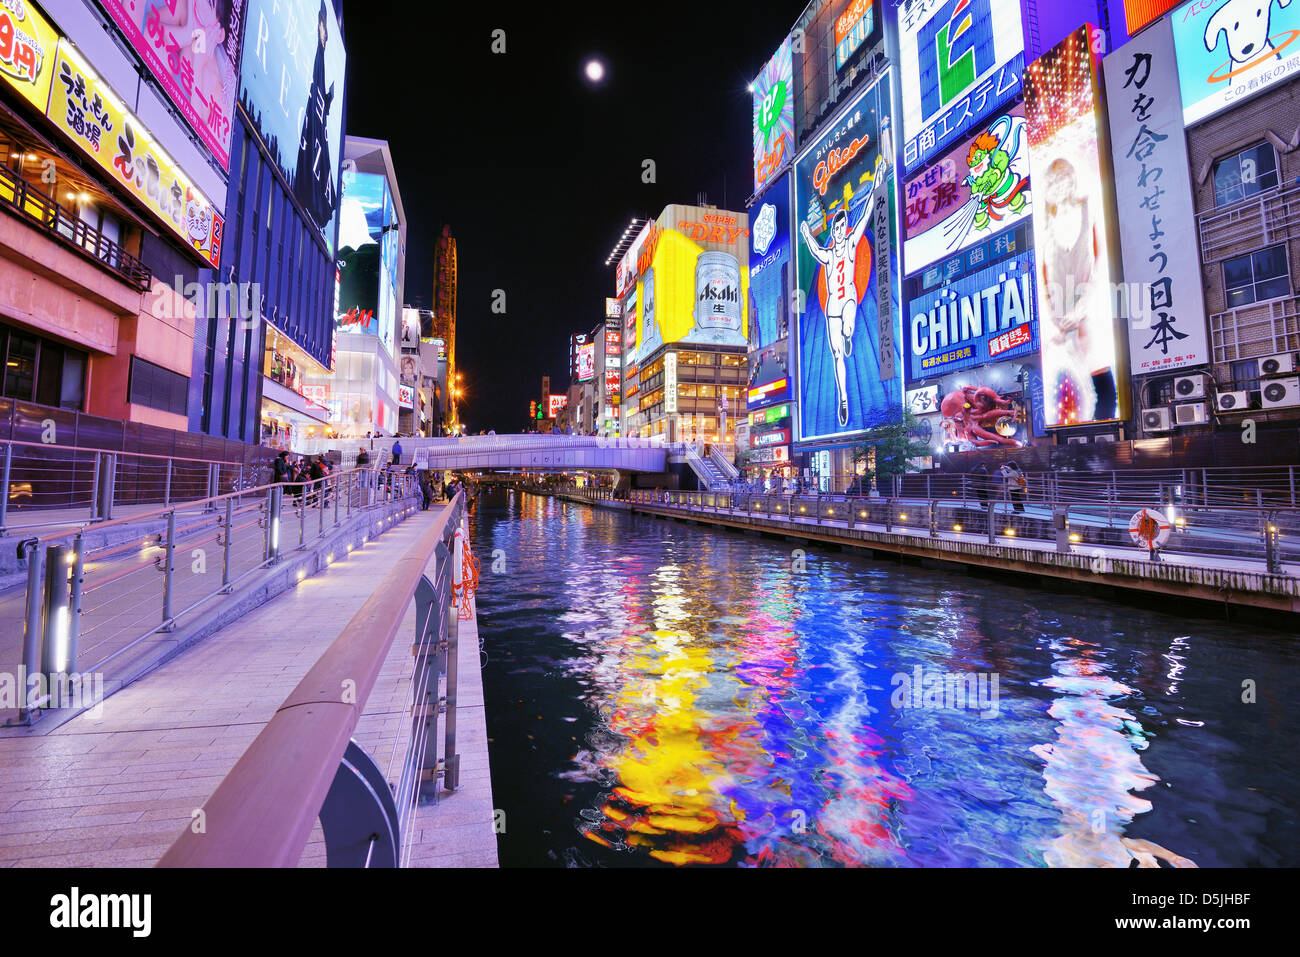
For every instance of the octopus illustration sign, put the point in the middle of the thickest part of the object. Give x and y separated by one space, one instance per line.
981 408
1229 50
846 345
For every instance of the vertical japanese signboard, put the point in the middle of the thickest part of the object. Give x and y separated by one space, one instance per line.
1154 188
1082 366
192 49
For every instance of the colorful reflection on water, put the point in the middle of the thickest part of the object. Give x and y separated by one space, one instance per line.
665 694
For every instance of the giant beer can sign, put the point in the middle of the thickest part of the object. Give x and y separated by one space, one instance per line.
717 296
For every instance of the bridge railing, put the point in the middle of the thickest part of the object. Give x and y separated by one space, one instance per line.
305 766
85 608
1269 534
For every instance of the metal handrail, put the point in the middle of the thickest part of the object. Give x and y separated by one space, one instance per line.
263 811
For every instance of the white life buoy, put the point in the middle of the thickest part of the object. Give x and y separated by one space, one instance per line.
1149 528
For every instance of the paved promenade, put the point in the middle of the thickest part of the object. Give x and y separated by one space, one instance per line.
117 788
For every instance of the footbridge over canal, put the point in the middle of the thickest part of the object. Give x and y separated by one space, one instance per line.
510 452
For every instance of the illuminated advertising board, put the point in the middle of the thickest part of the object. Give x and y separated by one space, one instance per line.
613 341
853 28
693 280
1166 330
1082 371
625 271
554 403
406 396
192 50
771 455
769 416
89 112
612 384
980 408
291 86
775 391
670 382
977 188
1228 53
367 256
773 94
774 437
983 316
769 266
1138 13
848 360
613 309
27 47
586 361
960 59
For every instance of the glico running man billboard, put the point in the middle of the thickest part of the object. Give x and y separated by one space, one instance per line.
984 316
848 358
1083 369
959 59
693 279
973 191
291 86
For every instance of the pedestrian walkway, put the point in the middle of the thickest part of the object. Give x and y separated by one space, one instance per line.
116 788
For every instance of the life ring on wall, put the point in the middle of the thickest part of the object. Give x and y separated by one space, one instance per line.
1149 529
464 576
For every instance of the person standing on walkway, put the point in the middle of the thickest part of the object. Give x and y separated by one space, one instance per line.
280 469
316 472
1017 485
397 452
426 491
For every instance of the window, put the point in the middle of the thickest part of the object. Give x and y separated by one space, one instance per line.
1245 375
1238 177
158 388
1160 392
39 370
1256 277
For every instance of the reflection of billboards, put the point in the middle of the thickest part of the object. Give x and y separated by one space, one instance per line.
1081 367
773 95
959 59
693 279
586 361
291 86
983 316
977 188
980 408
1227 53
193 52
847 347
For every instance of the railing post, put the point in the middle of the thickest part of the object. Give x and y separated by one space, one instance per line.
302 513
74 615
320 504
94 486
4 486
1290 471
990 512
451 775
889 515
934 513
108 487
1270 544
167 486
32 626
225 546
1061 524
338 481
274 500
54 654
169 571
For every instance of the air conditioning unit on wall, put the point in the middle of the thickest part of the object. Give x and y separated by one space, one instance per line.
1156 420
1190 387
1191 413
1280 364
1232 401
1280 393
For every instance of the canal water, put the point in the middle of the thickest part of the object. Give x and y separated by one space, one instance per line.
662 694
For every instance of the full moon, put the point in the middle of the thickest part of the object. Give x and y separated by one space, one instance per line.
595 71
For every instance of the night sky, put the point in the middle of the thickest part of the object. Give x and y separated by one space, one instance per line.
536 170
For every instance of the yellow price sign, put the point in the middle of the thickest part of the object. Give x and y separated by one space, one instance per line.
27 44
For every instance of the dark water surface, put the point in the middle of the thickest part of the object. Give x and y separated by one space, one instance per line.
662 694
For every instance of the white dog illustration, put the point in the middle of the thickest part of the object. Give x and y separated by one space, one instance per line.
1245 24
